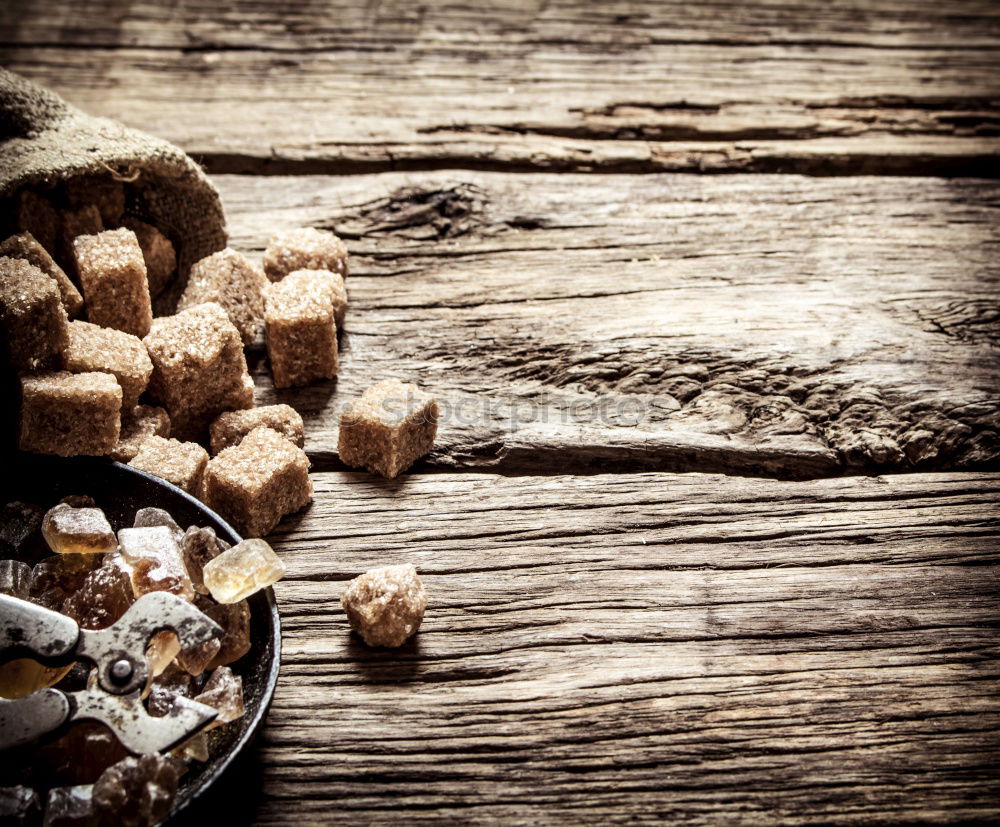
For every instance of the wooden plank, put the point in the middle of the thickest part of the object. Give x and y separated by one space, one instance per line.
637 87
643 647
757 324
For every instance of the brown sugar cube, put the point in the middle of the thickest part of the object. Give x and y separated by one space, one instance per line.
304 249
93 348
25 246
70 413
102 191
301 333
199 369
391 426
32 318
158 253
324 280
254 484
180 463
385 605
230 279
33 213
113 276
139 425
229 428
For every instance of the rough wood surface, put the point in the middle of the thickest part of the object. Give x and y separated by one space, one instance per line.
644 647
773 325
813 87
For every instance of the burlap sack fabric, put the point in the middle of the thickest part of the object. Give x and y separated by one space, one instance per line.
44 140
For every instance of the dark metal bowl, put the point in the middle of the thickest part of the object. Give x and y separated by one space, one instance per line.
121 491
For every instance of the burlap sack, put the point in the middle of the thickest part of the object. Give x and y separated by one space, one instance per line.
43 140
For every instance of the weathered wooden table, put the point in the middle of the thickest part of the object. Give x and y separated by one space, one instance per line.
709 295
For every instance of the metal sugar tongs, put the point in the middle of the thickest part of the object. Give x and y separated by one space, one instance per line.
119 655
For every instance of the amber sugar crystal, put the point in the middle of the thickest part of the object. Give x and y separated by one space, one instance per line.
112 272
70 530
385 605
232 281
229 428
301 333
199 369
70 413
142 422
102 349
32 318
254 484
157 251
180 463
304 249
243 570
136 791
26 247
391 426
155 558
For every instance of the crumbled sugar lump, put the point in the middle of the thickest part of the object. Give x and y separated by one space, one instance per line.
162 650
323 281
150 517
155 558
234 619
385 605
32 318
56 577
158 253
19 805
137 426
180 463
70 413
112 273
243 570
301 333
304 249
102 349
254 484
104 597
199 369
35 214
229 428
391 426
70 530
138 791
223 691
232 281
26 247
103 191
15 578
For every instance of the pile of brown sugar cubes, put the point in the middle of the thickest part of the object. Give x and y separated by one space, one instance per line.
172 395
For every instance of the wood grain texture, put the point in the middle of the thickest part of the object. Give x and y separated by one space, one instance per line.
644 647
773 325
798 87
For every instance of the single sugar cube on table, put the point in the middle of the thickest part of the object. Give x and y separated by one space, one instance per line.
199 369
33 213
229 279
230 427
112 272
385 605
155 558
254 484
70 530
391 426
70 414
103 191
142 422
243 570
180 463
24 246
323 281
301 333
102 349
32 318
304 249
157 251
